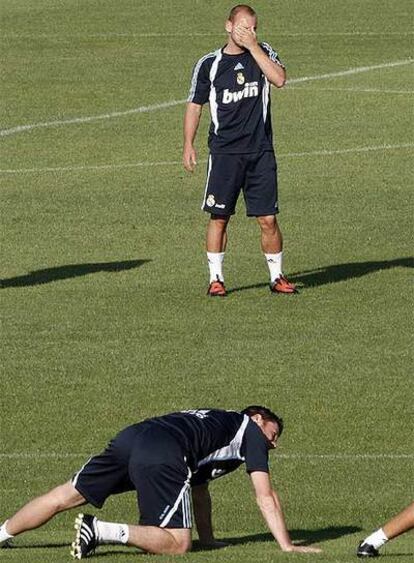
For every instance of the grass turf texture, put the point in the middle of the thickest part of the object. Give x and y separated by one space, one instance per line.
104 314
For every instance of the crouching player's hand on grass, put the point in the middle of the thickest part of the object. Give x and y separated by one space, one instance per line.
202 514
271 509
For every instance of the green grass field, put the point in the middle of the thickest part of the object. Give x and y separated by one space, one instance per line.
104 315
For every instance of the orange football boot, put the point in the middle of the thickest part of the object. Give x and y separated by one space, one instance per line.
282 285
216 289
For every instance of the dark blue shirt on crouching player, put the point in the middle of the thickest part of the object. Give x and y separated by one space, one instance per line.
215 442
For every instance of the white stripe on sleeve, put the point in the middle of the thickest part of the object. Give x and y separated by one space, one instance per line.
196 72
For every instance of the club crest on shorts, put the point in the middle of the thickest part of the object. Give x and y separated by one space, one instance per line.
210 201
240 78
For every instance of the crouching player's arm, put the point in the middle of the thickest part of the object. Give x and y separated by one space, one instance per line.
202 515
271 509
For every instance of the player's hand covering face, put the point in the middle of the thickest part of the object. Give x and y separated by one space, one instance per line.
243 31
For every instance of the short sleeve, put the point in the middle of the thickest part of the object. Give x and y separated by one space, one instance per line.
256 450
214 470
272 54
200 82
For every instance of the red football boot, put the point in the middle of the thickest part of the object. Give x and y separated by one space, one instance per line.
216 289
282 285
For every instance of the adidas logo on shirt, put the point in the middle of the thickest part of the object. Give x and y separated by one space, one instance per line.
239 66
250 90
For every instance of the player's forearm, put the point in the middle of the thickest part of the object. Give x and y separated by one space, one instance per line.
275 73
191 122
272 513
202 514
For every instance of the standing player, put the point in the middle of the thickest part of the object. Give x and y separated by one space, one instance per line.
402 522
236 81
162 458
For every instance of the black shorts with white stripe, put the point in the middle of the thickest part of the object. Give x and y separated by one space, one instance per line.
146 459
228 174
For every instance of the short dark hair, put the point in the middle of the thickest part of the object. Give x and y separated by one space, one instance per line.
239 8
266 413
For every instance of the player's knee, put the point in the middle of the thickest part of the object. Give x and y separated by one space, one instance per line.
64 497
219 221
182 542
183 546
268 223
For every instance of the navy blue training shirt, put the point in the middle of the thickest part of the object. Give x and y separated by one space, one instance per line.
239 96
216 442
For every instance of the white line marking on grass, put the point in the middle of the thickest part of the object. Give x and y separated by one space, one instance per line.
104 167
172 103
150 34
58 122
339 33
356 90
348 151
93 167
350 71
351 457
40 455
345 457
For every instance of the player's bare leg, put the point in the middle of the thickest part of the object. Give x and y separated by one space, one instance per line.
401 523
216 242
271 235
41 509
272 247
91 532
160 540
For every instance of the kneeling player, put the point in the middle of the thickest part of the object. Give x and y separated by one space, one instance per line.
162 459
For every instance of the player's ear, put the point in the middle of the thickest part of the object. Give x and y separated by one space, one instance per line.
257 418
228 26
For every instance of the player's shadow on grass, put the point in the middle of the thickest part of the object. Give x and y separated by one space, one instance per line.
106 550
48 275
337 273
301 537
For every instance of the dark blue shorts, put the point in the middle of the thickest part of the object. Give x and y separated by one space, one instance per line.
148 460
228 174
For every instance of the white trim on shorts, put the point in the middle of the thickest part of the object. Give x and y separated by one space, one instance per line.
183 497
210 165
76 476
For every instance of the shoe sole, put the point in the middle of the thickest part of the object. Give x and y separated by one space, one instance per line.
76 549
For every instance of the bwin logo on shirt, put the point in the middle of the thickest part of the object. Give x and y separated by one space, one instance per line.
250 90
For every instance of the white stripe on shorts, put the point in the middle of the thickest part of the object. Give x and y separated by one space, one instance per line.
76 477
186 510
210 164
181 494
188 503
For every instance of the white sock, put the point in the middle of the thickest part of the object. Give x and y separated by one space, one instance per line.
4 535
109 532
215 265
377 539
274 262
